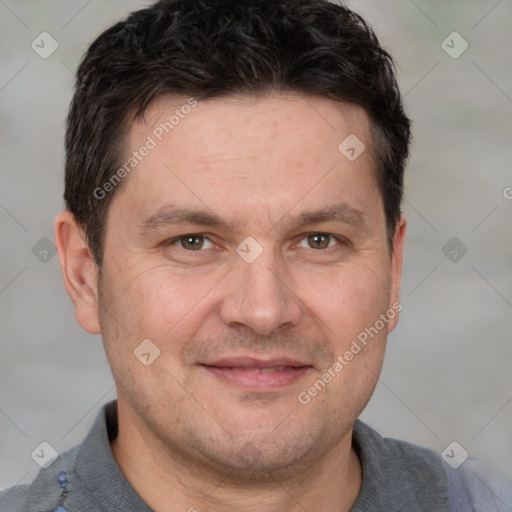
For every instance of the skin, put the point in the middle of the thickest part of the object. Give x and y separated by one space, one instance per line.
188 438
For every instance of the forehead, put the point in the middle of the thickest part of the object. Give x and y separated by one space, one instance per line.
234 117
249 151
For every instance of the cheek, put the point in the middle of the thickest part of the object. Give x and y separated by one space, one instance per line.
361 295
150 306
157 303
348 298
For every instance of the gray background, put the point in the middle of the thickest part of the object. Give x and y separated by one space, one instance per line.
447 371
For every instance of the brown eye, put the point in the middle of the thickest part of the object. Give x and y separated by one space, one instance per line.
319 240
191 242
192 247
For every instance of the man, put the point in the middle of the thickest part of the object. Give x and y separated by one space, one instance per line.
233 230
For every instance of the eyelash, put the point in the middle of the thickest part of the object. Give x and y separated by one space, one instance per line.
340 241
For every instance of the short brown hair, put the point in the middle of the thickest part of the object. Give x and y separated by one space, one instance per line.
215 48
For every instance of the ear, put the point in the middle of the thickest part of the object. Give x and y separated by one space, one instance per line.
396 270
79 271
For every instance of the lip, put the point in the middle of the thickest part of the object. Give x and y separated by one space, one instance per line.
258 375
253 362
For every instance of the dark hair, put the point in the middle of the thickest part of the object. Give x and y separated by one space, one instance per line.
217 48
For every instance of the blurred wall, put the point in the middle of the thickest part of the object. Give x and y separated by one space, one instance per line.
447 372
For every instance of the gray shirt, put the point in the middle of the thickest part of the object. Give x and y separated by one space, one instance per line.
397 476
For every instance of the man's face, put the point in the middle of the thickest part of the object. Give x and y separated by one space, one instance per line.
243 334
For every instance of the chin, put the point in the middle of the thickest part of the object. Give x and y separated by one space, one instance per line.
258 458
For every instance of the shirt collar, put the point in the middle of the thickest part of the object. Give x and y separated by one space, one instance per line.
98 469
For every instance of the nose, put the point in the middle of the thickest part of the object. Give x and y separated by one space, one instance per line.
260 296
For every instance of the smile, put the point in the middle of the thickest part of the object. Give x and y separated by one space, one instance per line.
258 376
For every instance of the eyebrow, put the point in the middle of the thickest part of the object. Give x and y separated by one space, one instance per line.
167 216
342 213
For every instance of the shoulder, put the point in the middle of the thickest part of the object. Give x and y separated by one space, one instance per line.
64 480
477 486
405 471
398 475
15 499
44 491
393 457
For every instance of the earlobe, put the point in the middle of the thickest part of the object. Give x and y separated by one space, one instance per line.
396 269
79 271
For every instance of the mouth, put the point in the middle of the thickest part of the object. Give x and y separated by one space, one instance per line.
258 375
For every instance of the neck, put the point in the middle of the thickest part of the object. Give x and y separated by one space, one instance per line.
171 482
